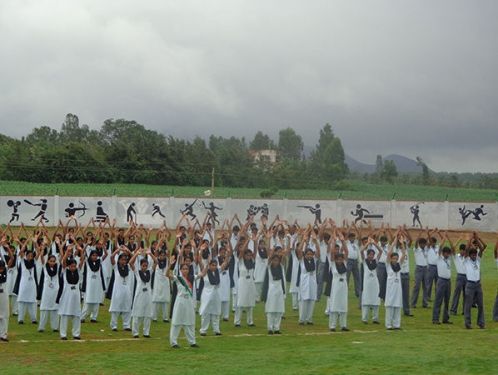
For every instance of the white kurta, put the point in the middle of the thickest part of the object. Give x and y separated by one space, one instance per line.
122 292
50 291
69 303
275 300
307 283
246 295
94 291
370 293
142 302
161 292
338 300
27 285
260 268
4 299
210 298
394 294
183 310
224 286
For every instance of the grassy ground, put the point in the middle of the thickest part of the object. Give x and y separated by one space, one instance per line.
355 190
419 348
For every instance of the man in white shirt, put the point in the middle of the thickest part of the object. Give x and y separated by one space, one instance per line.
432 259
473 289
443 285
352 263
420 273
461 279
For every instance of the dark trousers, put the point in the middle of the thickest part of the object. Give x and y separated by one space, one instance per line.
495 309
352 267
405 290
473 290
459 290
420 280
382 276
443 291
431 278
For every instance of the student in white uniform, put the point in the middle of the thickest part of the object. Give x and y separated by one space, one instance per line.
273 294
142 301
11 273
473 288
122 290
48 289
26 286
338 301
246 295
420 253
432 259
210 309
4 295
394 297
183 309
225 289
370 300
443 284
69 296
161 292
352 262
461 279
306 282
93 286
260 267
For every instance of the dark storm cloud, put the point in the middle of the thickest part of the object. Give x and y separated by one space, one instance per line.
415 78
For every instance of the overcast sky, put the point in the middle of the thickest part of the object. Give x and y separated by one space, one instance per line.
407 77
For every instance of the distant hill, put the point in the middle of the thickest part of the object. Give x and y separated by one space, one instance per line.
403 164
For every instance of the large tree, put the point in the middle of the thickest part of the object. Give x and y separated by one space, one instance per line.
328 159
290 145
261 142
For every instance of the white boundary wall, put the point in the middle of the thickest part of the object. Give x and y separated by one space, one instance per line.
447 215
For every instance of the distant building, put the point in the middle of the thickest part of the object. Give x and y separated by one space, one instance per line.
269 156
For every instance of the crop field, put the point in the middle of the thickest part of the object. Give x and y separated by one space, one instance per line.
354 190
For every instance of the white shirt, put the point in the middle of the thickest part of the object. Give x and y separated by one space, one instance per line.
444 267
353 250
420 257
473 269
433 255
459 263
383 257
323 251
405 266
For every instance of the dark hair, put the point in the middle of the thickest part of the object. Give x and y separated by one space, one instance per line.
370 251
383 239
463 246
422 241
144 260
446 249
472 251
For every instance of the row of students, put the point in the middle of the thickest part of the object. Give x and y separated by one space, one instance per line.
307 255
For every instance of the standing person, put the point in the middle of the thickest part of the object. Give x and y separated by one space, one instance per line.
142 301
405 273
225 282
352 262
274 294
322 264
473 289
93 285
306 280
4 295
394 298
26 285
495 308
183 309
260 267
432 259
338 300
48 289
420 273
461 279
382 268
246 295
443 285
69 295
121 289
370 300
161 292
292 272
210 309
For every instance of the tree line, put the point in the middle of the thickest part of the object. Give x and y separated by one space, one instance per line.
124 151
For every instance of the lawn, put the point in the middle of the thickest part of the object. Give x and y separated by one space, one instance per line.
419 348
355 190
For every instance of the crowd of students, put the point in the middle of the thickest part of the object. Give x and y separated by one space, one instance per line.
147 275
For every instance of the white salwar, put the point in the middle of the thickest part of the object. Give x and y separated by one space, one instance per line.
338 300
394 298
246 296
275 302
161 293
122 298
183 313
370 300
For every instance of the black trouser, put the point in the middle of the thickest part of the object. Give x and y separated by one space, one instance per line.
459 289
473 290
431 278
352 267
420 280
405 290
443 291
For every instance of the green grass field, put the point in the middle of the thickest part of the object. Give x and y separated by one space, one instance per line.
356 190
420 348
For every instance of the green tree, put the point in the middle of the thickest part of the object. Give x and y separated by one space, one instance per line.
389 171
328 159
261 142
425 170
379 165
290 144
